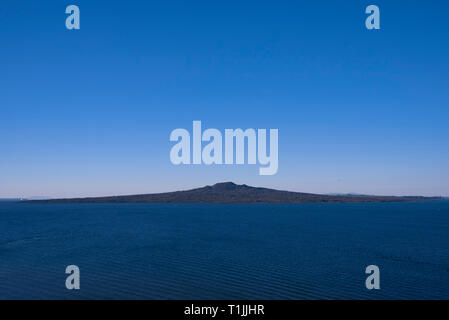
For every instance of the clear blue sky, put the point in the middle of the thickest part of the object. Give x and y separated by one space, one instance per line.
89 112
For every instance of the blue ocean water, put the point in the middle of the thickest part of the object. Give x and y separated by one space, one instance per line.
211 251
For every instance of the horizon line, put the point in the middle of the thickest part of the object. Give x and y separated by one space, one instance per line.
209 185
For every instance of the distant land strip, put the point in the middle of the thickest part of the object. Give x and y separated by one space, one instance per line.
229 192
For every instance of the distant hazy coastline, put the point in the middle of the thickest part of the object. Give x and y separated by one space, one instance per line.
229 192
